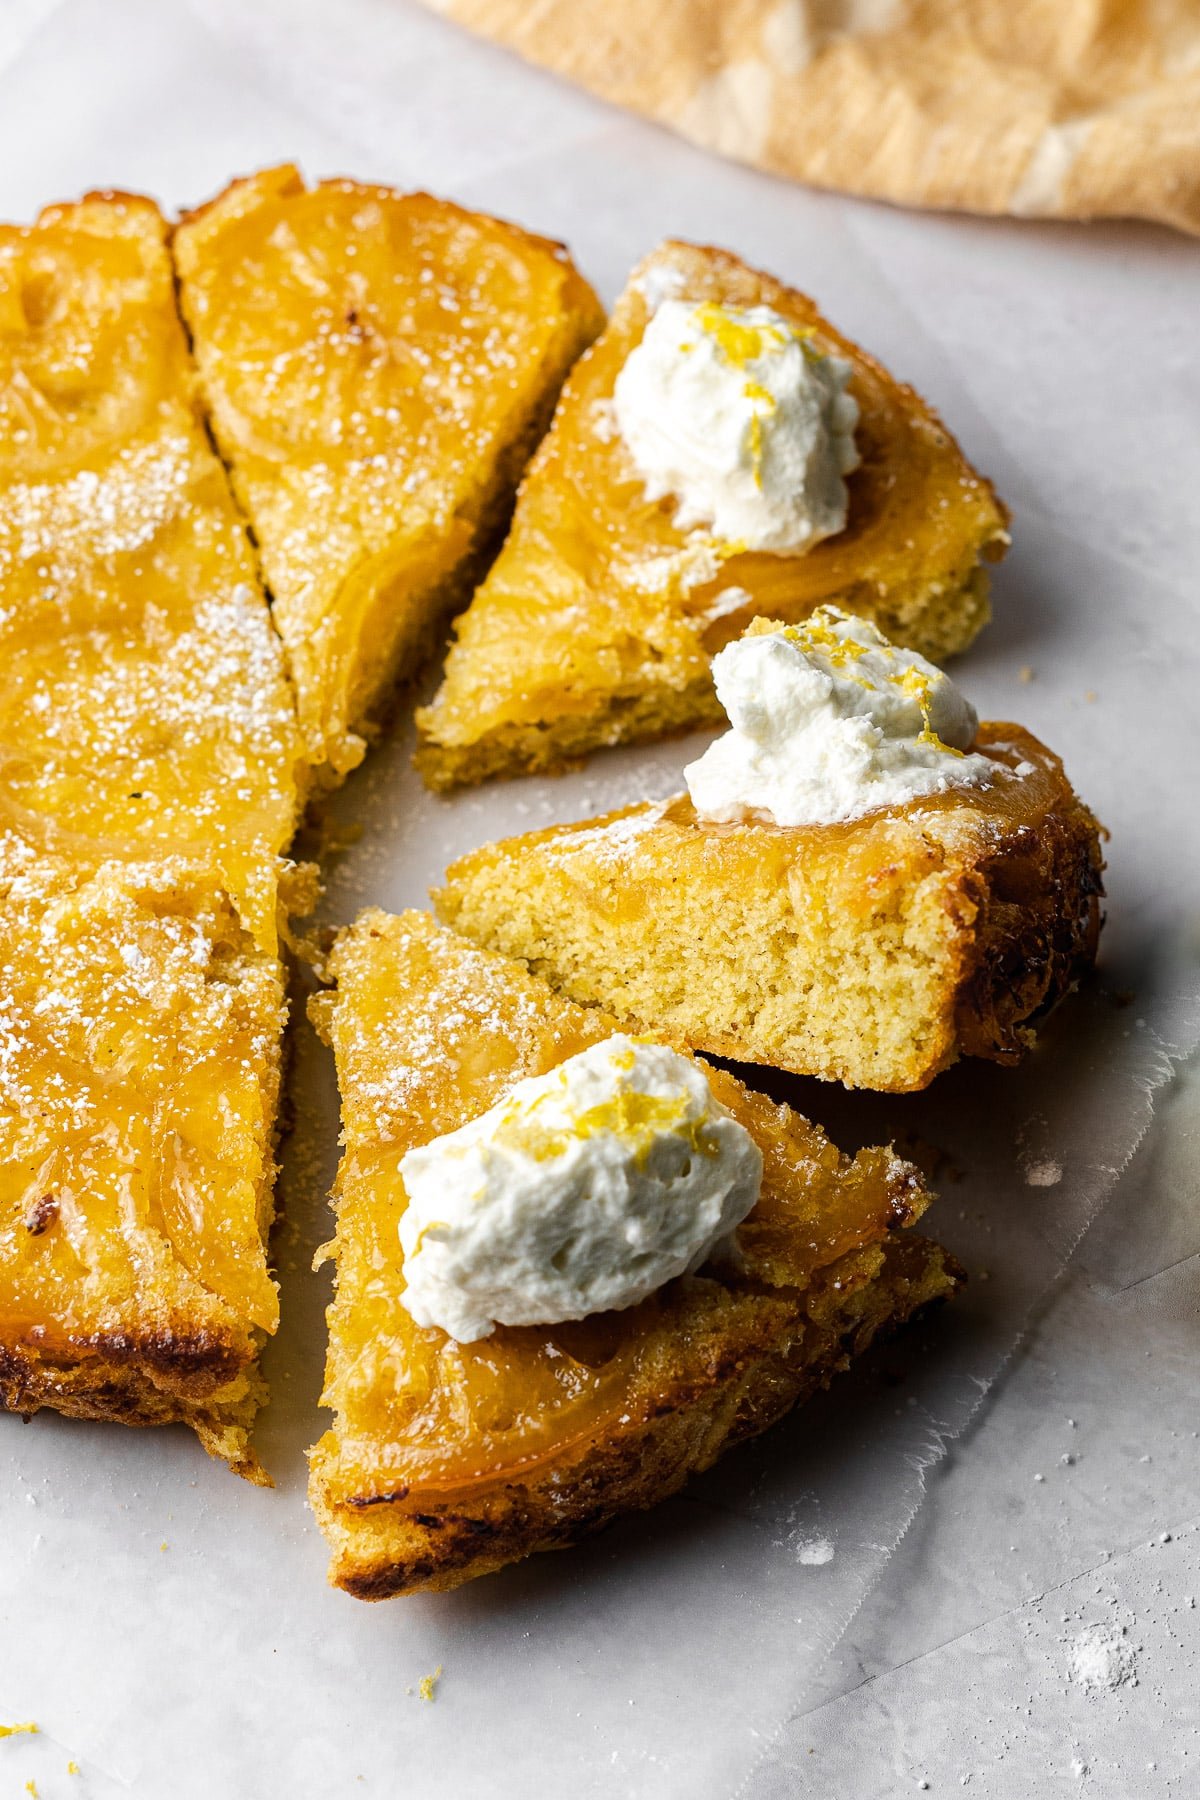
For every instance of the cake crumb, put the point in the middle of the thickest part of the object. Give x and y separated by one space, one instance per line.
428 1684
1025 674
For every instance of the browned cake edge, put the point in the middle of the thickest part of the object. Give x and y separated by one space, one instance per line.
199 1379
386 1545
1035 933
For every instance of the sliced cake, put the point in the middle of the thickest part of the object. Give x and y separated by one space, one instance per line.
834 895
722 452
150 774
140 1029
377 368
459 1447
144 708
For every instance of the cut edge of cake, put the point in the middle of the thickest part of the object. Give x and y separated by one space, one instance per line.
995 922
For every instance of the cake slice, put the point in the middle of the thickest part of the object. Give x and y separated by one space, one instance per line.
377 368
598 621
144 707
873 948
447 1460
140 1026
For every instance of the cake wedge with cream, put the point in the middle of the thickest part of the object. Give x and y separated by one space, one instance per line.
861 883
377 368
572 1266
721 453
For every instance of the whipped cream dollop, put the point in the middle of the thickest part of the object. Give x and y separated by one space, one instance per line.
735 412
582 1191
829 721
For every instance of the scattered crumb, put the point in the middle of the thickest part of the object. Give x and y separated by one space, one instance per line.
14 1730
815 1552
1090 694
428 1684
1025 673
1043 1174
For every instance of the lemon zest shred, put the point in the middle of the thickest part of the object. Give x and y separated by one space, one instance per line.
737 342
427 1686
15 1730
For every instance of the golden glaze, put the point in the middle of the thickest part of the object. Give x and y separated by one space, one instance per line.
599 619
144 709
377 367
429 1033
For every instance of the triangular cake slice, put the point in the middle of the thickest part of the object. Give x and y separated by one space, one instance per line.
145 710
447 1460
874 952
598 621
139 1075
377 368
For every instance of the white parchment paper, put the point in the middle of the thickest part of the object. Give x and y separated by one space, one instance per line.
168 1627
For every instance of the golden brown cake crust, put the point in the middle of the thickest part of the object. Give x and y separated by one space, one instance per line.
874 953
382 1548
200 1380
599 619
446 1460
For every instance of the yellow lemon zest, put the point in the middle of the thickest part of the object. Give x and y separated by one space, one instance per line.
428 1684
763 397
816 633
634 1118
738 342
916 685
16 1730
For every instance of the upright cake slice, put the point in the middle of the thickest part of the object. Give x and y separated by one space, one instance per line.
873 949
448 1459
144 709
598 621
377 368
139 1070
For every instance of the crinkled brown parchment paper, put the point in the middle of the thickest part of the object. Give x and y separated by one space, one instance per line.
1068 109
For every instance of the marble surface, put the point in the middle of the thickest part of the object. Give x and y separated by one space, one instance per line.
1008 1495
